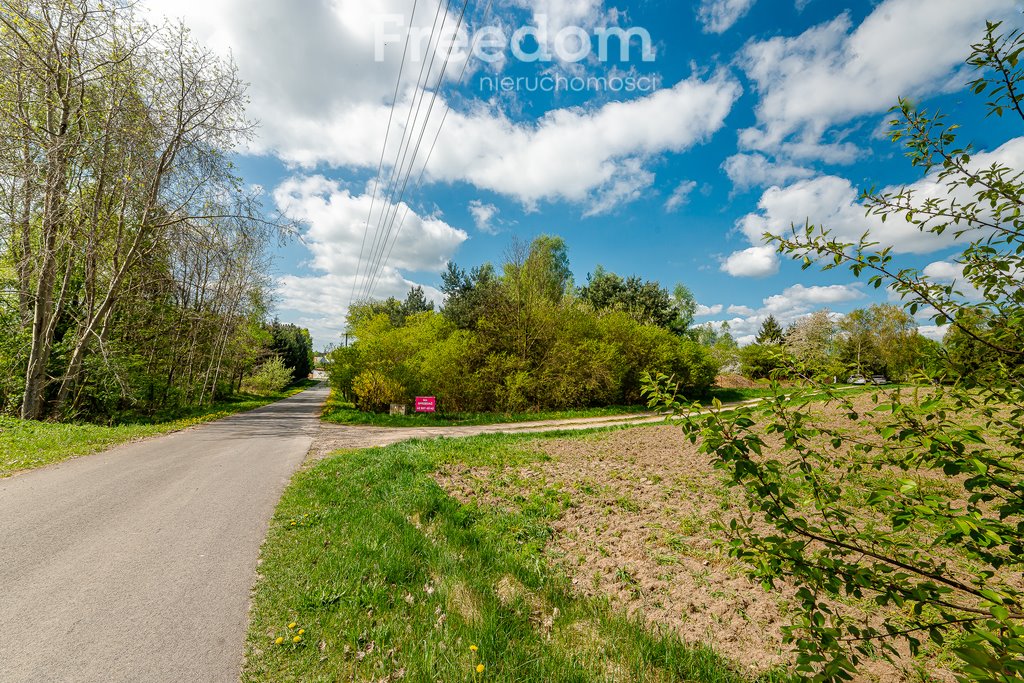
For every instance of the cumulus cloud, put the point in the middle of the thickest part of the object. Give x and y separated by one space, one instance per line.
755 170
787 307
680 196
833 202
835 72
338 117
718 16
336 222
752 262
704 311
556 157
934 332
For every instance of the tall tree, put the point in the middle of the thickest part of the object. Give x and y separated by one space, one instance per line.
118 190
771 332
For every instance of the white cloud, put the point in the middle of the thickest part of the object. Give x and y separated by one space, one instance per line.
483 216
627 187
833 73
680 196
336 221
336 111
300 61
934 332
703 310
755 170
944 271
718 16
787 307
834 203
752 262
558 157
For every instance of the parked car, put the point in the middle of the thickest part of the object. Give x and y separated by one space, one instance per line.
859 380
879 379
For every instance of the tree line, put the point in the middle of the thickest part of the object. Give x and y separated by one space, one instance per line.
133 260
880 340
522 337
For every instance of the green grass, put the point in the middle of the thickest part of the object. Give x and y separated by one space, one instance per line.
389 577
338 411
26 444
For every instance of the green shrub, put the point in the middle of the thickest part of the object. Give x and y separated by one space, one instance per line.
375 391
761 361
269 378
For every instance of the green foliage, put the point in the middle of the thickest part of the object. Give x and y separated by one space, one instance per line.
910 509
269 378
133 259
647 302
396 311
375 391
516 343
771 332
294 346
764 361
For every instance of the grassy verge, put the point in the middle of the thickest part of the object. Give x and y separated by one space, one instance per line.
26 444
339 411
371 572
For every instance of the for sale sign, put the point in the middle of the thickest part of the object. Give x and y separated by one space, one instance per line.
426 404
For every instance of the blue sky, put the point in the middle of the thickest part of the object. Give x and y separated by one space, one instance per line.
766 112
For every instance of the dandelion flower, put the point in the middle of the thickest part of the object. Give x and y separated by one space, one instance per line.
474 648
297 639
279 640
291 625
479 668
301 631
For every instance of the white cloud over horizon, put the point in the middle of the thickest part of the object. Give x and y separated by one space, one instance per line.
787 307
834 203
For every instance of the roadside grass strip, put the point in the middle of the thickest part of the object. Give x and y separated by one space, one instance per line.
27 444
371 571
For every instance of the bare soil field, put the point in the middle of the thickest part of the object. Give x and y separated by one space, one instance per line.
640 531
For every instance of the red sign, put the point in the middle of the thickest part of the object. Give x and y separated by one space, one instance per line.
426 404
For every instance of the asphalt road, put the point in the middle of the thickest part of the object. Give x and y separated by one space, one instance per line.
136 564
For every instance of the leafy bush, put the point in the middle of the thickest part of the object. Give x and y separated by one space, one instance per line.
269 378
762 361
375 391
517 342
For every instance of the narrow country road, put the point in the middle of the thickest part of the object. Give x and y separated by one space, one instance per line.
135 565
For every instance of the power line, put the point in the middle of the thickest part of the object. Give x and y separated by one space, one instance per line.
416 104
382 260
387 135
430 153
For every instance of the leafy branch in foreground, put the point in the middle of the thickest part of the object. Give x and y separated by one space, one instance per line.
901 521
